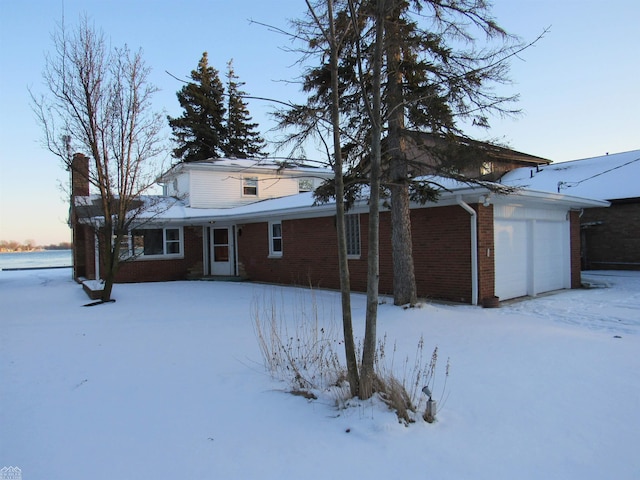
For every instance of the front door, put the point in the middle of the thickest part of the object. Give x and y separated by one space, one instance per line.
221 251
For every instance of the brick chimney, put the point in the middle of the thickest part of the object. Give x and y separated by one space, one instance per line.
79 175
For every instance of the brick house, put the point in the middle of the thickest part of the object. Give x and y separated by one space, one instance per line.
469 246
610 236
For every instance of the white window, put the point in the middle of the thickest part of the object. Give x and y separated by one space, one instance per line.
305 185
156 242
352 230
486 168
275 239
250 186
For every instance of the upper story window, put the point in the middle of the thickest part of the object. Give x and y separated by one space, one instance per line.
154 242
486 168
275 239
250 186
305 185
352 230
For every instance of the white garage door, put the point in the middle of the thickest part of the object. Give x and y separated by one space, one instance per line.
511 258
551 256
532 256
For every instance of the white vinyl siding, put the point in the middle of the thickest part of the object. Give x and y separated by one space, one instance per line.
225 189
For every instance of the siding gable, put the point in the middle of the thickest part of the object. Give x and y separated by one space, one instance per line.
224 189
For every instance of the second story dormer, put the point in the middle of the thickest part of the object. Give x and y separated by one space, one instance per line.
228 183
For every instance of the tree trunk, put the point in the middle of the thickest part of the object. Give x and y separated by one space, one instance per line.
345 283
367 376
404 282
106 254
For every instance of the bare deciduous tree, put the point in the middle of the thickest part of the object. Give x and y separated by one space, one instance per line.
98 101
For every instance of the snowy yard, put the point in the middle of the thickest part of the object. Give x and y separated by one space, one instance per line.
168 383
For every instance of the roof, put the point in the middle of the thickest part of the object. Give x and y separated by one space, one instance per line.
609 177
171 210
492 151
254 165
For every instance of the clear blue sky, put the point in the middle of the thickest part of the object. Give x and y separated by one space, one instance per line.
579 86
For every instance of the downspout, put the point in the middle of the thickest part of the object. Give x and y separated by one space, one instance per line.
474 249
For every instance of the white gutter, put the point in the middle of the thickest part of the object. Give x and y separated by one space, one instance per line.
474 249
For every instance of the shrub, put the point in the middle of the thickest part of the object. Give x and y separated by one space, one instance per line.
301 349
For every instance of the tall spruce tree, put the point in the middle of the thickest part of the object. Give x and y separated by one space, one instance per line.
242 138
200 132
435 79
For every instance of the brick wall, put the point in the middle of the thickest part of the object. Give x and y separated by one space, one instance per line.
166 270
574 234
309 249
79 175
84 265
612 239
486 252
441 253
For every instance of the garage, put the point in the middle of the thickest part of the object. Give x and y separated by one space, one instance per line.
532 251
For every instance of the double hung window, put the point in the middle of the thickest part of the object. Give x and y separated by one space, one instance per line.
275 239
352 230
250 186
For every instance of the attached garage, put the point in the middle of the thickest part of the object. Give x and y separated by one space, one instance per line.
532 250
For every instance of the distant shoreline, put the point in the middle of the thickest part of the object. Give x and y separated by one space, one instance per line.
43 258
17 269
38 249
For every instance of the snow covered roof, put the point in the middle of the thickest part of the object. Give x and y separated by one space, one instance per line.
610 177
296 167
302 205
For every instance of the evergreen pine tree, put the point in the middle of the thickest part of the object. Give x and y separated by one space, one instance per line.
435 76
200 132
242 138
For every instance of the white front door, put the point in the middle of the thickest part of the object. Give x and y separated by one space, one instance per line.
221 251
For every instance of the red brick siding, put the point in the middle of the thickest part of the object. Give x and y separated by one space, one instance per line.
166 270
615 242
441 253
486 253
84 265
574 240
309 253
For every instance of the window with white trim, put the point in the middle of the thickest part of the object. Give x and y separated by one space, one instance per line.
486 168
156 242
352 231
250 186
305 185
275 239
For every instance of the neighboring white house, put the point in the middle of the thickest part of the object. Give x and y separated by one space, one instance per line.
229 183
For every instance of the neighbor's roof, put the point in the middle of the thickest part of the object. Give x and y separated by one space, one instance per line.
610 177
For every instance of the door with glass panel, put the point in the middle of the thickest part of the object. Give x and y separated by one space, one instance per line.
221 251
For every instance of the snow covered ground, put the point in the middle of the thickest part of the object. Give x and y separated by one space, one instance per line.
168 383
